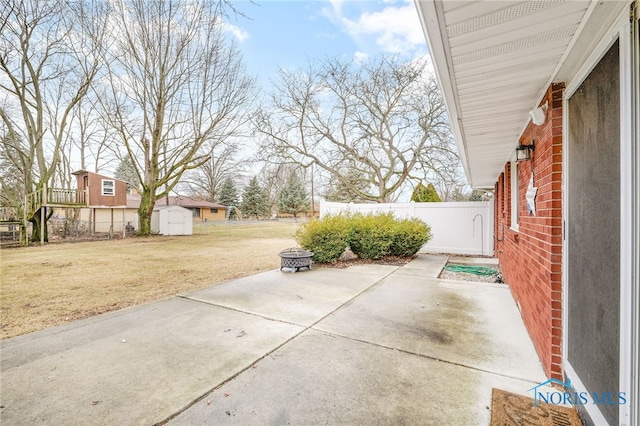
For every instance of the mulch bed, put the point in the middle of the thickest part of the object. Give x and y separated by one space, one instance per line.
349 259
387 260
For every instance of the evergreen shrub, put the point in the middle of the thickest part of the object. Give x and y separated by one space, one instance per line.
408 236
371 235
326 237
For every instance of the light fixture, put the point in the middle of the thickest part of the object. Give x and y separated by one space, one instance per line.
523 152
538 115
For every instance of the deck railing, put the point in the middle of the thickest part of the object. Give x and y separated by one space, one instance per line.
57 196
52 197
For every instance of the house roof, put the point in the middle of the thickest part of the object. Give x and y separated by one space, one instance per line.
133 202
495 60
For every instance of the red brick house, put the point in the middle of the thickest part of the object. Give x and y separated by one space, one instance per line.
544 103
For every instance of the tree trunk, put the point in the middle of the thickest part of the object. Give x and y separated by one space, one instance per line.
147 202
39 227
24 234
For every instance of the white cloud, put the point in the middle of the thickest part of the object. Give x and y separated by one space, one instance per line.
395 29
239 33
334 11
336 5
360 57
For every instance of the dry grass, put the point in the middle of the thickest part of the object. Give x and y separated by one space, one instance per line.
57 283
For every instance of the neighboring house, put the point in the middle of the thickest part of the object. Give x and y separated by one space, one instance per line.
203 211
102 205
559 79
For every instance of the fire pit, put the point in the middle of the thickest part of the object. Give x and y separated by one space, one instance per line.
295 258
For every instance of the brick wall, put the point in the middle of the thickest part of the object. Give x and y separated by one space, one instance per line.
212 216
531 257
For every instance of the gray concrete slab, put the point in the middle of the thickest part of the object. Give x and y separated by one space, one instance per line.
428 265
301 298
138 366
324 379
469 323
369 344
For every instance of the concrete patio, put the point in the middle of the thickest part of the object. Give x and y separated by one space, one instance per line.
370 344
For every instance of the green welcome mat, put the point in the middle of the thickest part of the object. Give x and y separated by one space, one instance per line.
509 409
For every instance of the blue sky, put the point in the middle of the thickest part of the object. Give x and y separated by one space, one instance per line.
288 34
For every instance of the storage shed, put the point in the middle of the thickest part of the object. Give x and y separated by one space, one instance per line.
172 220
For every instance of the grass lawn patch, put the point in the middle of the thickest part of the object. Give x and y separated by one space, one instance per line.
44 286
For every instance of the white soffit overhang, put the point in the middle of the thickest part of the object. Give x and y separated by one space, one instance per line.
496 59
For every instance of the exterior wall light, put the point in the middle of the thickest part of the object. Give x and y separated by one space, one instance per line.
539 115
523 152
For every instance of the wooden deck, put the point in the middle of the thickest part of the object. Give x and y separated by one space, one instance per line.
56 197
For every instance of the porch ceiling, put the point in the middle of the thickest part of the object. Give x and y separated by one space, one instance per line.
494 61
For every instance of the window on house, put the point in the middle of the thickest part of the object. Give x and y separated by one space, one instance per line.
214 210
196 212
515 185
108 187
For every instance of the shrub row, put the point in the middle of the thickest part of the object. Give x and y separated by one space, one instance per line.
370 236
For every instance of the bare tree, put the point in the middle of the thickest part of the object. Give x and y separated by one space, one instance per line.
451 183
12 189
86 141
91 138
49 56
207 180
175 84
383 120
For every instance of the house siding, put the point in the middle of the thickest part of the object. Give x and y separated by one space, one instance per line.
531 257
93 183
206 215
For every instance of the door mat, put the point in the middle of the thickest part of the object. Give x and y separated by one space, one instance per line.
511 409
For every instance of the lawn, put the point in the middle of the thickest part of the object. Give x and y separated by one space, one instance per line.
44 286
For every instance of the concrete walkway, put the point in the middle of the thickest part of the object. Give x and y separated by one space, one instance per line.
369 344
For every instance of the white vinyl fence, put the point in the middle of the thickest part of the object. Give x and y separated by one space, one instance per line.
458 228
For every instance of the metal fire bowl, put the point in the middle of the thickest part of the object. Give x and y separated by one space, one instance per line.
295 258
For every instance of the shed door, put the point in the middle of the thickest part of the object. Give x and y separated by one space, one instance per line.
176 222
593 230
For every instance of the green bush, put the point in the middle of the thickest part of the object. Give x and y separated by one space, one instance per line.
327 238
371 235
408 236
